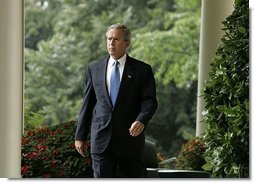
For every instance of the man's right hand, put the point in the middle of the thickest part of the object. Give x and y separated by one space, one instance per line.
80 147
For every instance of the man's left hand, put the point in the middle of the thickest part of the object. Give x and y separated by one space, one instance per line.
136 128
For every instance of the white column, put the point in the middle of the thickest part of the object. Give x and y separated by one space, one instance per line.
11 86
213 12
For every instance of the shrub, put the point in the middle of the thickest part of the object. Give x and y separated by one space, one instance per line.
32 119
50 152
191 155
227 99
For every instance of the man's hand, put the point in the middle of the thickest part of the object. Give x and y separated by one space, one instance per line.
80 147
136 128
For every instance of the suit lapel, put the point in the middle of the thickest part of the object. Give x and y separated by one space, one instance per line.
126 79
102 71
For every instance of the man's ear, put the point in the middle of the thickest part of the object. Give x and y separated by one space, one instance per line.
128 43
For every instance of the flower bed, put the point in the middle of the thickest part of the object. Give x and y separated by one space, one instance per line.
50 152
191 155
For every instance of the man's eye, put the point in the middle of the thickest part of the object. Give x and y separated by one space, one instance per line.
113 39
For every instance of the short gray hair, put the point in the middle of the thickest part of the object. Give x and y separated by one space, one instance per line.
126 30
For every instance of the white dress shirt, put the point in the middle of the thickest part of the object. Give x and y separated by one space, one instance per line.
121 65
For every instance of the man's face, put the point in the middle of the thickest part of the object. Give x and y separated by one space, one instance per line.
116 44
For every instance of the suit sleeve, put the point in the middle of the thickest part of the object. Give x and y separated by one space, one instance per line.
149 102
85 115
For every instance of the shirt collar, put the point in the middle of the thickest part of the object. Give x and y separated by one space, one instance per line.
121 60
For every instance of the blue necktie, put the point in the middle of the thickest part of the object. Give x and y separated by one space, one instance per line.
114 82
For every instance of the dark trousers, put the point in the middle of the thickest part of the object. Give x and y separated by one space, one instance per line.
109 165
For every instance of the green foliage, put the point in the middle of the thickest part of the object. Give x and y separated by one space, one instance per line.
32 120
173 51
227 100
49 152
54 79
39 26
191 155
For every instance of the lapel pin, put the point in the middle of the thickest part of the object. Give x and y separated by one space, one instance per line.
129 76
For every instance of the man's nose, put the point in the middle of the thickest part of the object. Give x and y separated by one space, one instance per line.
112 42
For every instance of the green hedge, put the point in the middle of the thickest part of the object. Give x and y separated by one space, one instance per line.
227 99
50 152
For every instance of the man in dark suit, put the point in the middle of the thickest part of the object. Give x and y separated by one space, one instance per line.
119 101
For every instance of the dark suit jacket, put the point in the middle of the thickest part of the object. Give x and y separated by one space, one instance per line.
136 101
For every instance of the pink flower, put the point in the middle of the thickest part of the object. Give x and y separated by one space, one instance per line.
59 131
24 169
53 163
41 140
30 133
43 148
23 140
51 133
32 155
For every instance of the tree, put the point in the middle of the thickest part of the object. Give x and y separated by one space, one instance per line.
39 26
175 48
